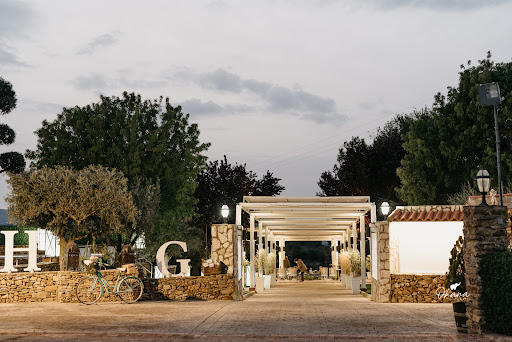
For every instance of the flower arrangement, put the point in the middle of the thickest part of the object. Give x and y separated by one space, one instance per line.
344 262
211 263
455 278
94 263
355 263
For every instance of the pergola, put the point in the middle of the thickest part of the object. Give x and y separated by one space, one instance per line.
284 219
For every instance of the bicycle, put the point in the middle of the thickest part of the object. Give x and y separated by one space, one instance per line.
129 288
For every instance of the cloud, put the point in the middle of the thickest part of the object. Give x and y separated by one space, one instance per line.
15 18
198 107
104 40
436 5
90 82
276 98
99 82
7 58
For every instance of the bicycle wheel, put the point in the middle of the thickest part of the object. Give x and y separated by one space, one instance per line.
89 290
130 289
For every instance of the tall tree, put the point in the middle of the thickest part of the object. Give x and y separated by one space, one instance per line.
368 170
92 202
9 161
223 183
145 139
447 145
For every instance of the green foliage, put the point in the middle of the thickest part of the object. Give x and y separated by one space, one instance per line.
20 239
364 169
496 275
456 271
447 144
9 161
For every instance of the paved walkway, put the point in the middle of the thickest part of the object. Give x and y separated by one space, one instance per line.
291 311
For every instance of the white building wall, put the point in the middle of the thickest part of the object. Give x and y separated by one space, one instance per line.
422 247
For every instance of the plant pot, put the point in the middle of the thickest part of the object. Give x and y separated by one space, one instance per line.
272 279
342 278
260 284
268 279
459 311
356 281
348 282
368 275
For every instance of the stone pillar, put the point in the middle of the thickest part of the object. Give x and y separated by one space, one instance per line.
222 244
362 227
252 253
485 230
381 287
237 263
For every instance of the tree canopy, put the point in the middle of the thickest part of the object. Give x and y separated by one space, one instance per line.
223 183
446 145
94 201
368 170
9 161
147 140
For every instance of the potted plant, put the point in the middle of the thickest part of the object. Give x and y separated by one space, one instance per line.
345 267
456 282
271 267
355 270
260 279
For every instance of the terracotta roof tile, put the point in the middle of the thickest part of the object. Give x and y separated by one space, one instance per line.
427 213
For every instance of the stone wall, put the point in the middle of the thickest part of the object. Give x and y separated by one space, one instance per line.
484 231
60 287
381 287
412 288
222 244
212 287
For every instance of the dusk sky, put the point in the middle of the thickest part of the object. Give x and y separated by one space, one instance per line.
279 85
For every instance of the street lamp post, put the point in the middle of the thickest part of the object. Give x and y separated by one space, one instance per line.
224 211
490 96
384 208
483 180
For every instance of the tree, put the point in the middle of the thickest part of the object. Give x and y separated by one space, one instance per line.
223 183
93 202
364 169
447 144
145 139
9 161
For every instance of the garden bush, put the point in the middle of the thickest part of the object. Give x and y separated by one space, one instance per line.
496 274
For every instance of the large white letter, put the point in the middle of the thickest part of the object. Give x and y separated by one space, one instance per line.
10 249
160 259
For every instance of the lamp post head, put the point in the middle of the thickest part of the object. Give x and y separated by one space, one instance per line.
224 211
384 208
483 180
489 94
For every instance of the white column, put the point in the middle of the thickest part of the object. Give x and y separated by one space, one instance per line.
281 252
333 252
260 235
238 220
253 271
354 236
362 226
268 247
373 213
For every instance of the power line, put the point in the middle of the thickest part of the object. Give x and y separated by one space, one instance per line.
305 155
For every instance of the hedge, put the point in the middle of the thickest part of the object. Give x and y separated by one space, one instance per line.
496 275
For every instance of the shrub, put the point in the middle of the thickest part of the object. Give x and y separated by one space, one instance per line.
270 264
261 257
496 274
355 263
456 270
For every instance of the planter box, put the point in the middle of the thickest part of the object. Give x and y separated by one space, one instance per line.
348 282
260 284
272 279
356 285
268 279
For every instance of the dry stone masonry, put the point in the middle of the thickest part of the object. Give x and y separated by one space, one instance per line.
412 288
381 287
222 244
60 287
485 230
